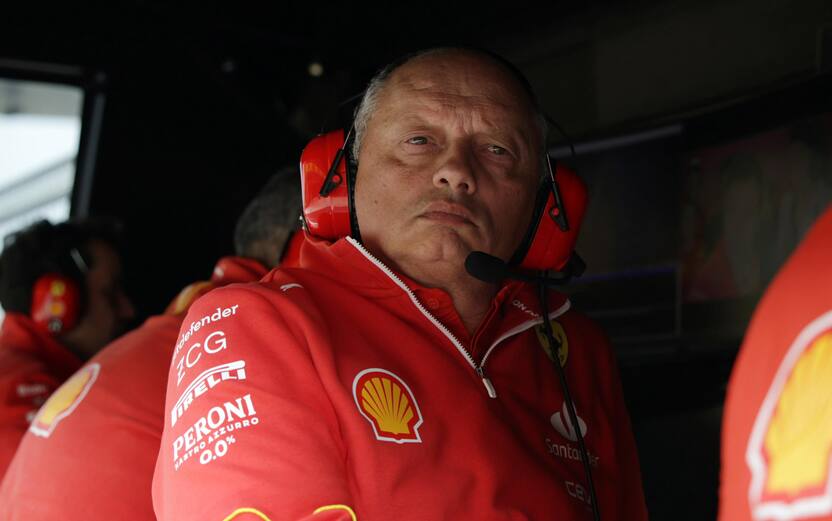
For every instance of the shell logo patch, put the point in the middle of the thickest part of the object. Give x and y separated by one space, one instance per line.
388 404
64 401
560 336
790 447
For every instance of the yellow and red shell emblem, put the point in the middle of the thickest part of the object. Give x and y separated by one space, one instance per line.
790 446
64 401
388 404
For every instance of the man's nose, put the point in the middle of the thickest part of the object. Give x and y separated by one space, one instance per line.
457 170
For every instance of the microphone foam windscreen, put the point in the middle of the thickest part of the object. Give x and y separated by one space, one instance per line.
485 267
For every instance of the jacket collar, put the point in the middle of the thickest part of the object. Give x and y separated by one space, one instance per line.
513 309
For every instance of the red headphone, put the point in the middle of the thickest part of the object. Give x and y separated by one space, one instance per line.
328 183
57 300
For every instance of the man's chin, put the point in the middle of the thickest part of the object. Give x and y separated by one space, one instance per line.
437 252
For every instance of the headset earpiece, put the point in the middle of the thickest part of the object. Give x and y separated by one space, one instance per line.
559 211
56 303
327 175
58 300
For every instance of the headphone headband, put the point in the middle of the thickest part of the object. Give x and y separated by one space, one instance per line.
79 261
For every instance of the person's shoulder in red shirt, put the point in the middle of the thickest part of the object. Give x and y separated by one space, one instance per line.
777 426
102 426
60 285
91 449
32 366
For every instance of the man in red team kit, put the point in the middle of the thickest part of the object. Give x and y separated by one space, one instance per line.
382 380
777 428
91 449
60 286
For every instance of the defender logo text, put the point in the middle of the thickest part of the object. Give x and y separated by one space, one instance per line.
203 383
195 326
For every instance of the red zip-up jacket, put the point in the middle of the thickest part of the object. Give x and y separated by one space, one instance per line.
777 426
32 365
344 391
91 449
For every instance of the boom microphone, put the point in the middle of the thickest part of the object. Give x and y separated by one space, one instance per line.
491 269
488 268
485 267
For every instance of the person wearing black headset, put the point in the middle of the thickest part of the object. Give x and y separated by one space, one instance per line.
61 290
383 380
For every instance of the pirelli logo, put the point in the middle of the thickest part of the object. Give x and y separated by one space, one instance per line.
203 383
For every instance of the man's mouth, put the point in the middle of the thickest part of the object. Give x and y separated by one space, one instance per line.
450 213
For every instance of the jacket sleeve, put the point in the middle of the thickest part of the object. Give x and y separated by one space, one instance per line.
250 433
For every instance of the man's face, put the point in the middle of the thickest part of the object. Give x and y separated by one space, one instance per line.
107 308
449 164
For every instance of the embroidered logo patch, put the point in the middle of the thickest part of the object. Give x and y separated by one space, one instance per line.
562 423
790 446
560 336
64 401
388 404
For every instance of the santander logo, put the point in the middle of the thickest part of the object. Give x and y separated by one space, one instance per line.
563 424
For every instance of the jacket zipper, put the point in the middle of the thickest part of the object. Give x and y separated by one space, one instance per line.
479 368
524 326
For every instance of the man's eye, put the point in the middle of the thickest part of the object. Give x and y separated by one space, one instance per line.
497 150
418 140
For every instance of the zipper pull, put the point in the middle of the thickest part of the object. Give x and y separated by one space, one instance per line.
492 392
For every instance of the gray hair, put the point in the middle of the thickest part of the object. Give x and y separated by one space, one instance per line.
265 226
369 102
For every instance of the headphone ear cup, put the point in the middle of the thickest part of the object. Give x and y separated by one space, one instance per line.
56 303
325 216
551 247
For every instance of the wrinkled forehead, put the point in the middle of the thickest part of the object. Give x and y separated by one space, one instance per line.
462 82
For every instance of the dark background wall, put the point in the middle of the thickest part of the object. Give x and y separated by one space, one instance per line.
204 102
